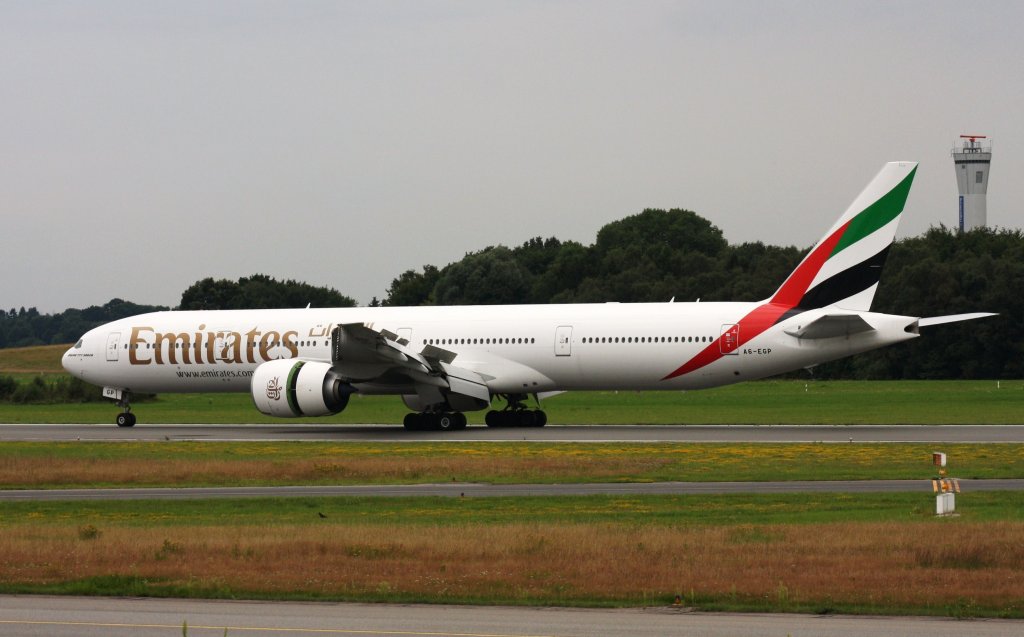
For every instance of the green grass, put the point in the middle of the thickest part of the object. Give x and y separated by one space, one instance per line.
761 402
703 510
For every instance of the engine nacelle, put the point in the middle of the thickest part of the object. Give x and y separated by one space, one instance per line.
289 388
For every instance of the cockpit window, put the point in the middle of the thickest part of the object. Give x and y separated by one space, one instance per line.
78 345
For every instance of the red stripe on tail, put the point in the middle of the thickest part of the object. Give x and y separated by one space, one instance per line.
764 316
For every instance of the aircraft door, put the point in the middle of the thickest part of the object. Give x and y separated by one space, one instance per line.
730 341
563 340
113 344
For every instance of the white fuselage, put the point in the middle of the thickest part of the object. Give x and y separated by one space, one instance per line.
517 349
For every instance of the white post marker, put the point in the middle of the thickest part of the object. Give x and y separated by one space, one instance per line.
944 488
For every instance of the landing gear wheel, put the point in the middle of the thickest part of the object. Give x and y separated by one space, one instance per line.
126 419
123 400
446 422
412 422
541 418
460 420
516 418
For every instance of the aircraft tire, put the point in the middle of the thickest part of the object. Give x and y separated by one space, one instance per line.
126 419
460 420
526 418
413 421
541 418
493 419
445 422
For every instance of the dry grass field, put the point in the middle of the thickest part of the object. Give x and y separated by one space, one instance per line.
922 567
35 465
23 360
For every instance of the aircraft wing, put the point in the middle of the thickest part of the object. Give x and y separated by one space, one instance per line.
362 353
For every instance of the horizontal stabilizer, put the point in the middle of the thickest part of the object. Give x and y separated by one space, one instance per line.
953 318
831 326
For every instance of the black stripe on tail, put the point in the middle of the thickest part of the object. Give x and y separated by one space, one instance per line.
850 281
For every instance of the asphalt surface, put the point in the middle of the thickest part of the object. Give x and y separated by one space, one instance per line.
475 490
556 433
37 616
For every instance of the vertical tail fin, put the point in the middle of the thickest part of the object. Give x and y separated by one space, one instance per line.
844 267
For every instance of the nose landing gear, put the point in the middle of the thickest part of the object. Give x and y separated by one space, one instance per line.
122 398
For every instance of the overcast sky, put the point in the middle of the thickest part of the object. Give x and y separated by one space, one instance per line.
145 145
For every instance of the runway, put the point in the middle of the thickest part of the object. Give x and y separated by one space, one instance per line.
556 433
477 490
35 616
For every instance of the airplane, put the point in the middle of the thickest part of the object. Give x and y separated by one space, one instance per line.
445 361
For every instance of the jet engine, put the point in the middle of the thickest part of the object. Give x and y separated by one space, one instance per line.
289 388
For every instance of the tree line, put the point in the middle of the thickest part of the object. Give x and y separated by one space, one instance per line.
658 255
27 327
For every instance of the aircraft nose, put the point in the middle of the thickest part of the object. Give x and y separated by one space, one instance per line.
70 360
65 361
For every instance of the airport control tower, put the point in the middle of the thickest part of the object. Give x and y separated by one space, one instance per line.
972 162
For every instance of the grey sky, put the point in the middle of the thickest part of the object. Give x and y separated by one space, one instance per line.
145 145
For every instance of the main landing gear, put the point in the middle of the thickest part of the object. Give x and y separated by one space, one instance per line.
516 418
434 421
516 414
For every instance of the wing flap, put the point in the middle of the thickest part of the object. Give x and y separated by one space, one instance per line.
366 354
468 389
